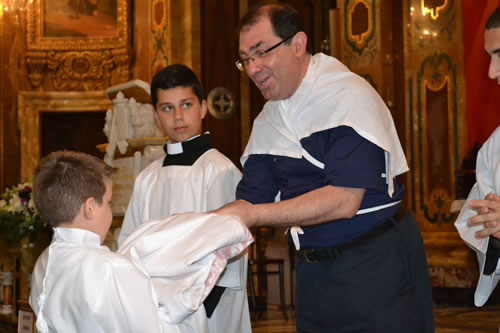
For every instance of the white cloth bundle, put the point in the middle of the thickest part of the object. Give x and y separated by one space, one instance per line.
185 255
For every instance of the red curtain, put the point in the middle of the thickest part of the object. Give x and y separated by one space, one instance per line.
483 94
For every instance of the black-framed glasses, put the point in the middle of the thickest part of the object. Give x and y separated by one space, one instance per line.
243 62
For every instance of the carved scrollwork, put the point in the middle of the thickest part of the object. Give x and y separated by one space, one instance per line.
121 59
83 71
36 62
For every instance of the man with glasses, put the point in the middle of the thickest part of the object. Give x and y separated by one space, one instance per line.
325 147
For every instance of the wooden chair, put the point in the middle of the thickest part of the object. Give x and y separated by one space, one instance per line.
262 270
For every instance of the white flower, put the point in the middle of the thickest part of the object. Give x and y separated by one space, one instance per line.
15 204
3 203
23 186
31 204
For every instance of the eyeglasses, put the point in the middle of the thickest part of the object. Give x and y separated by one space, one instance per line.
243 62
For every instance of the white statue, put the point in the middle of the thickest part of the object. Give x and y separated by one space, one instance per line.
141 117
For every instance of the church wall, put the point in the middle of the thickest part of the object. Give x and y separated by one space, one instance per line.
412 54
159 32
12 78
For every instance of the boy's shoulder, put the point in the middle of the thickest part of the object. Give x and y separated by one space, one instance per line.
151 167
216 157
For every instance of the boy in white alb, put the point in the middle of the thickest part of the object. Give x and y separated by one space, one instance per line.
79 285
192 177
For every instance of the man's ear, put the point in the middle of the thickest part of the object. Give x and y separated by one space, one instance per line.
300 43
203 109
89 207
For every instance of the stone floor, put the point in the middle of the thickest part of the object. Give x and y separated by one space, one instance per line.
447 320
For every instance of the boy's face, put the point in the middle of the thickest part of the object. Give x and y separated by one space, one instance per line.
492 47
103 213
179 113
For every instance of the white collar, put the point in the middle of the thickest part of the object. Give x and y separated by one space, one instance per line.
76 235
176 148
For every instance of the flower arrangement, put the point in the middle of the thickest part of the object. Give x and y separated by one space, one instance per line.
18 216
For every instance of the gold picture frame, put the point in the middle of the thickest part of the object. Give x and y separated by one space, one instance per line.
31 104
40 39
80 48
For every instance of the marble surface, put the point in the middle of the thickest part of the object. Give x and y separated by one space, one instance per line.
447 320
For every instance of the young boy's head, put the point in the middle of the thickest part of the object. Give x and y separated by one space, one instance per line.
177 98
72 189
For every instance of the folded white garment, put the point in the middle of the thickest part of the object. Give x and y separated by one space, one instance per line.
185 255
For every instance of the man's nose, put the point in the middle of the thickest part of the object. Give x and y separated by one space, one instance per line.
252 67
494 70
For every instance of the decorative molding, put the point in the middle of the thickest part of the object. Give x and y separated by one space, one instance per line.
160 38
32 104
359 20
437 77
429 7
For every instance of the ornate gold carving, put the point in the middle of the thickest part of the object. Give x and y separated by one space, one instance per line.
120 58
36 62
80 70
433 7
160 35
31 104
359 22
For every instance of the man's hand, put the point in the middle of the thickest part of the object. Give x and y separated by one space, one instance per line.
242 209
488 216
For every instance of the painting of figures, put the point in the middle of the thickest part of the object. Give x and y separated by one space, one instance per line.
79 18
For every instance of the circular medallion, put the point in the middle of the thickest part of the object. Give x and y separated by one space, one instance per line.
221 103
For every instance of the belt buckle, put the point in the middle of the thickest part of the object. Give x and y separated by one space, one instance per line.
311 256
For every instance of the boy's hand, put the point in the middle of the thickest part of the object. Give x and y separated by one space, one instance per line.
240 208
488 216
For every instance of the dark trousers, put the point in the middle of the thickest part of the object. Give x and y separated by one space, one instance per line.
380 286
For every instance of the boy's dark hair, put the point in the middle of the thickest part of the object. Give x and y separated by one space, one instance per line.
493 20
285 20
173 76
64 180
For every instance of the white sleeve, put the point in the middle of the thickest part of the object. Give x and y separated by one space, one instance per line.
222 186
487 181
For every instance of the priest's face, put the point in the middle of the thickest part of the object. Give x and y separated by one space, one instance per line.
276 72
492 47
179 113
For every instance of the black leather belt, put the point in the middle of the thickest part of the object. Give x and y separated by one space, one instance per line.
327 253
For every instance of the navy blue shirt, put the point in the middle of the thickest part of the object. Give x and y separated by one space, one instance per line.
350 161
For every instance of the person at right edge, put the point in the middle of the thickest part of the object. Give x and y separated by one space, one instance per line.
322 158
479 221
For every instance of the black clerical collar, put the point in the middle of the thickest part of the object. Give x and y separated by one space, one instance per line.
187 152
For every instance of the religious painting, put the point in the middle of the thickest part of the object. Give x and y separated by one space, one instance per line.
64 25
80 18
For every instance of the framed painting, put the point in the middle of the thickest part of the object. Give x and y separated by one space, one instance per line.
72 25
